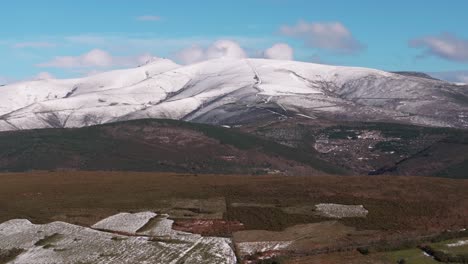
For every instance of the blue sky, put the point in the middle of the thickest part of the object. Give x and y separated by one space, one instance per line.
66 38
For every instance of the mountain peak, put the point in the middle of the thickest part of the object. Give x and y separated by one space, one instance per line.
232 92
147 60
416 74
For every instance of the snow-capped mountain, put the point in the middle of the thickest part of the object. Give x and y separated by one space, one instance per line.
233 91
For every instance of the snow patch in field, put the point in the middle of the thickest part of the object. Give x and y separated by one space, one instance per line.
458 244
250 248
75 244
340 210
124 222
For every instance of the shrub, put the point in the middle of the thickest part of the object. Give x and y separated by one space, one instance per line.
363 250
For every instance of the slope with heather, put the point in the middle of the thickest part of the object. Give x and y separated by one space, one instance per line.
154 145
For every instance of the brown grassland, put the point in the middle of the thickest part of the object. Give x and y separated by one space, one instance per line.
394 203
400 208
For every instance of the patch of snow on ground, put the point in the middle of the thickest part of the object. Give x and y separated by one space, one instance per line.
458 244
124 222
250 248
216 246
340 210
76 244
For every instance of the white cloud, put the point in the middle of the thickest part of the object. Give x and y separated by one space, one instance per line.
148 42
332 36
446 45
185 50
95 58
225 49
279 51
149 18
219 49
231 49
38 44
191 55
44 76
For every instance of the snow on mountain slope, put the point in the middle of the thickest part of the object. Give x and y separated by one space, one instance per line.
233 91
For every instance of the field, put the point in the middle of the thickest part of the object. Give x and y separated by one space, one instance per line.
411 256
260 213
394 203
454 246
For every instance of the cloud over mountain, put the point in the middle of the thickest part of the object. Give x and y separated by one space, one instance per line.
219 49
95 58
332 36
445 45
279 51
231 49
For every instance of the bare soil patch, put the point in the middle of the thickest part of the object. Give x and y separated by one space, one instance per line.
208 227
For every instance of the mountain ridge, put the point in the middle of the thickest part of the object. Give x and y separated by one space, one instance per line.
233 92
